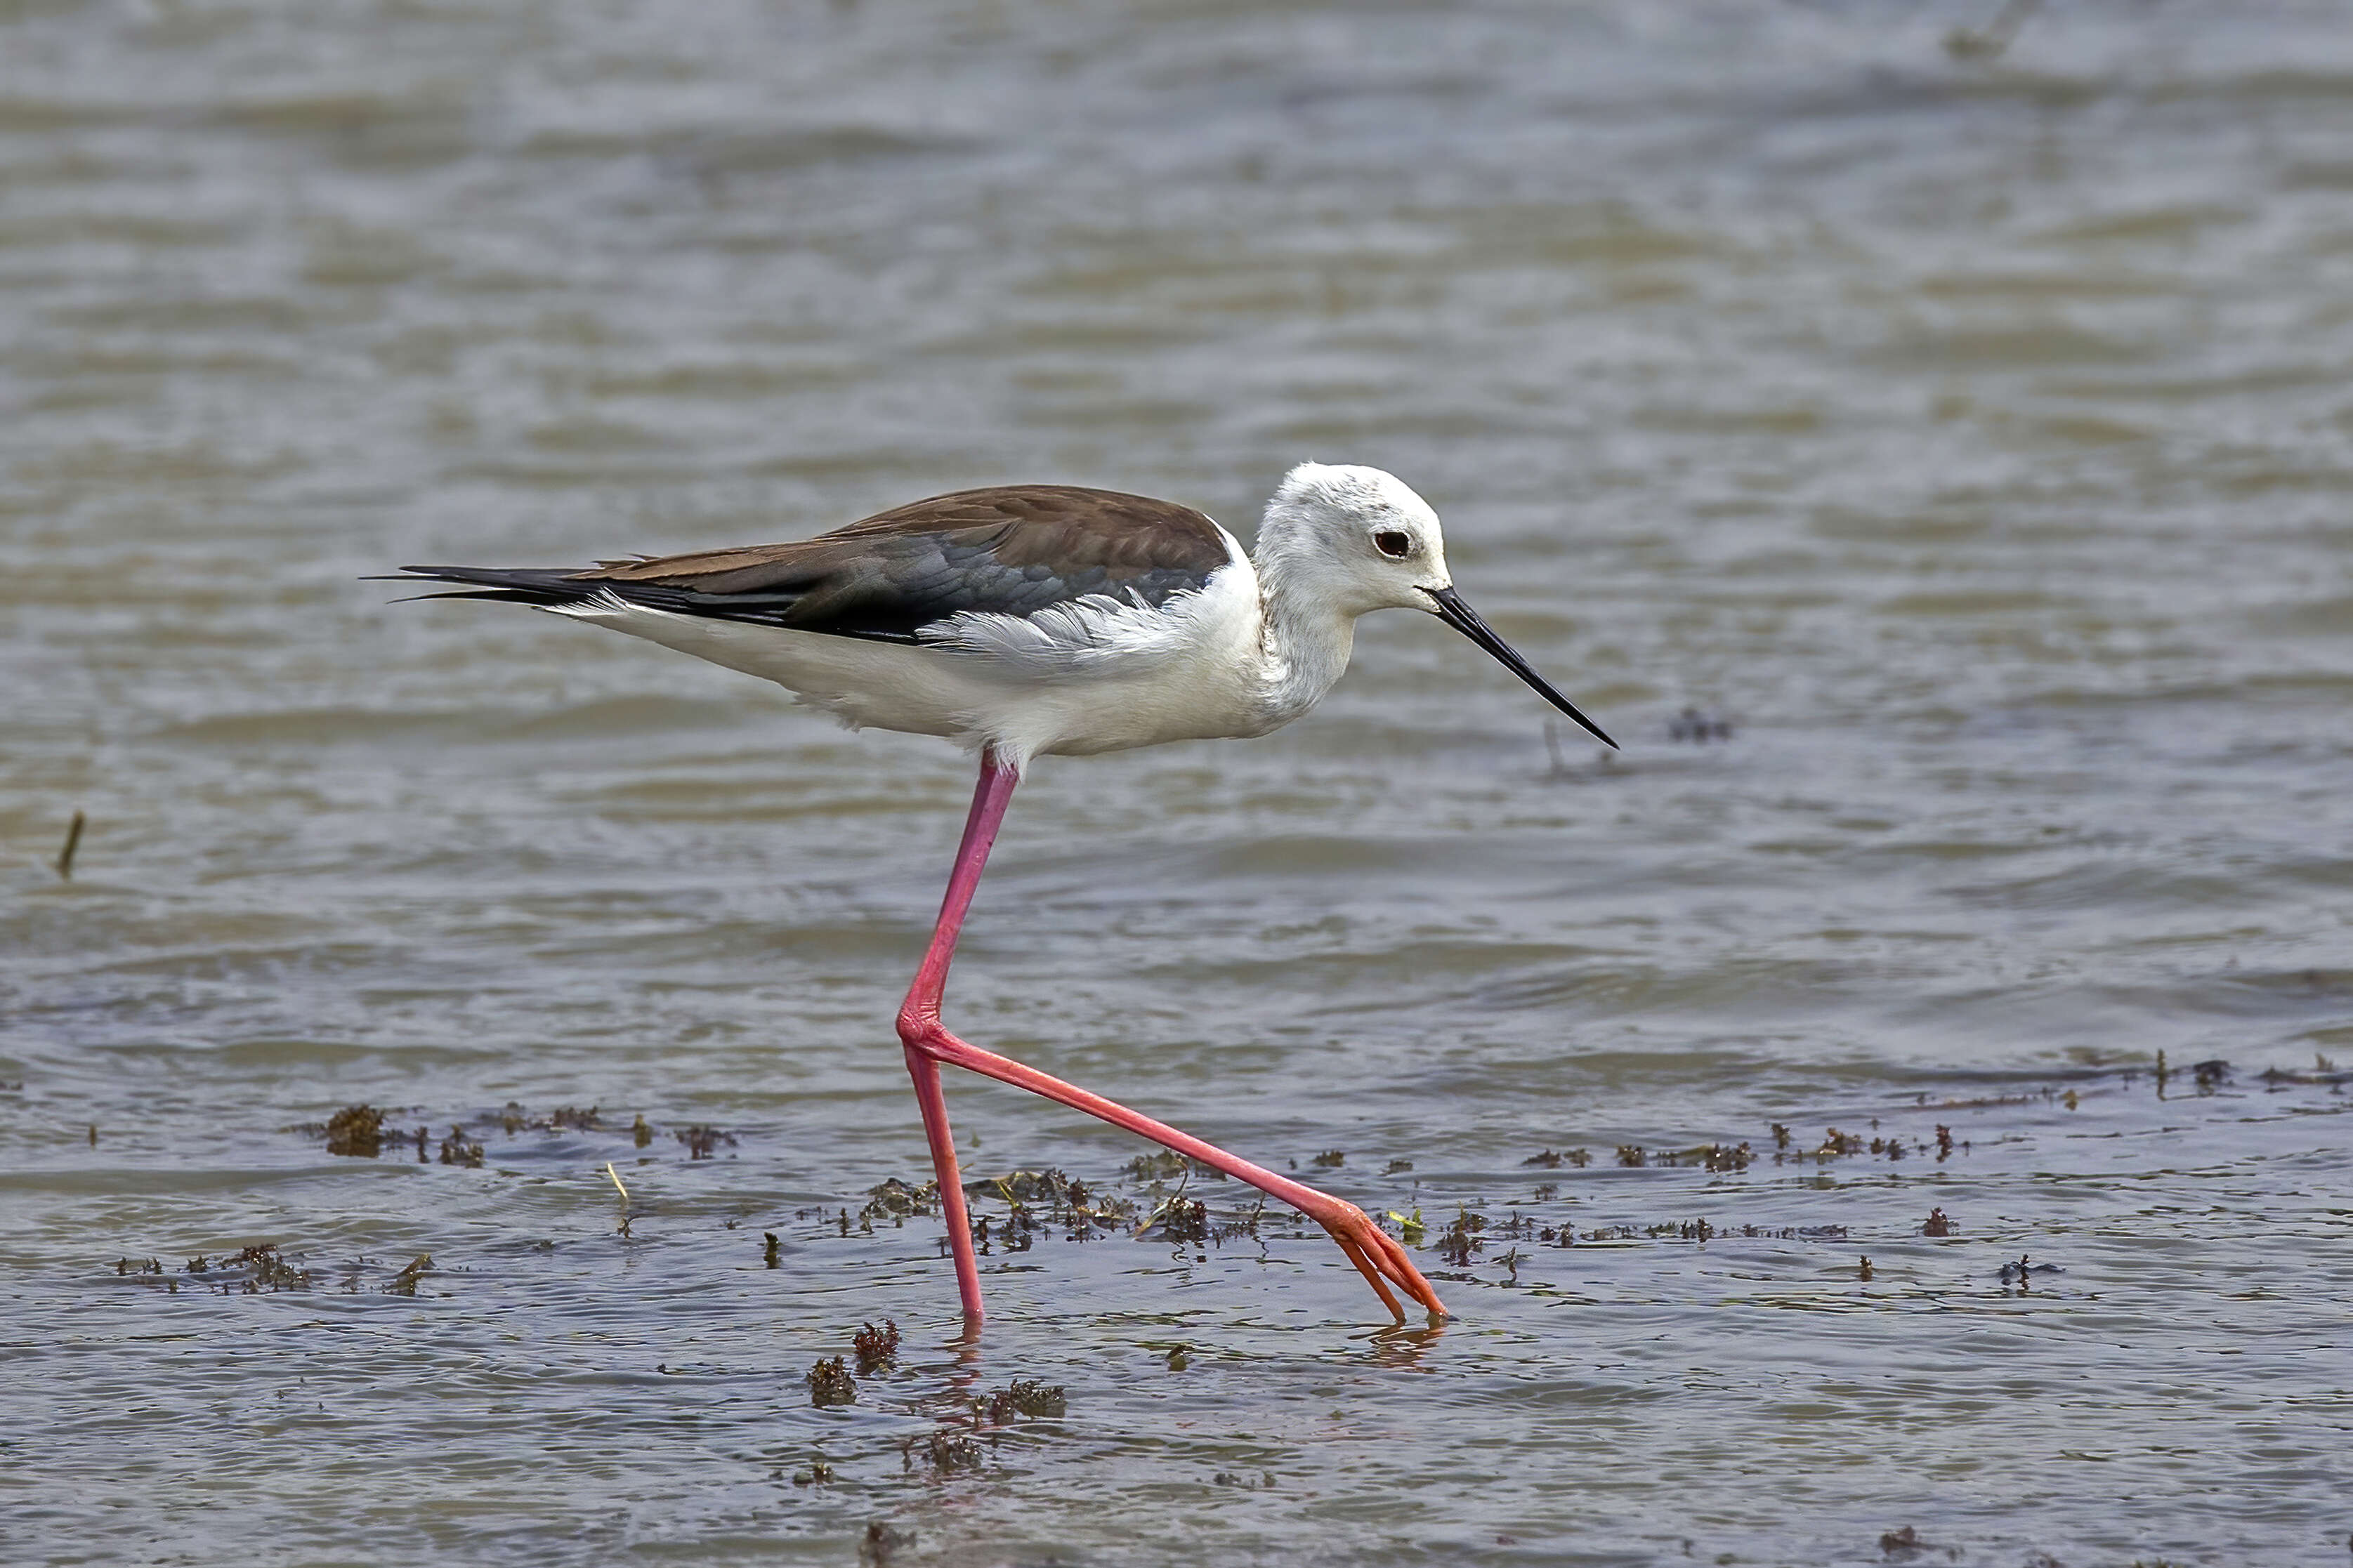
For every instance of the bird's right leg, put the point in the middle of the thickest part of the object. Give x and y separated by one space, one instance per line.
1377 1256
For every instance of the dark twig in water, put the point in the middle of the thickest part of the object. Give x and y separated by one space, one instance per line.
73 841
623 1227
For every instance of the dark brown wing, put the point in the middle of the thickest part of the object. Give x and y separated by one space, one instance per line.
1013 550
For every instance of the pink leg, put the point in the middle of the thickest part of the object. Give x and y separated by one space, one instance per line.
928 1042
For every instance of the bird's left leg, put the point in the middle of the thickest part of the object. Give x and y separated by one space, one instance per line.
1376 1255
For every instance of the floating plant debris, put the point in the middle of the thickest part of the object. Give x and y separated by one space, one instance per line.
356 1131
876 1348
945 1452
1712 1156
1699 728
1936 1224
895 1200
772 1253
1461 1237
1029 1187
1330 1160
2018 1273
367 1131
829 1384
1024 1398
1163 1163
702 1143
1050 1196
1631 1155
263 1269
1180 1220
255 1271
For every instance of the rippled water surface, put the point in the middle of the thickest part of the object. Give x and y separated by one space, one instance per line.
1964 434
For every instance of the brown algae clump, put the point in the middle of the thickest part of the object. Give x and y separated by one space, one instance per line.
356 1131
1182 1220
830 1382
876 1348
1024 1398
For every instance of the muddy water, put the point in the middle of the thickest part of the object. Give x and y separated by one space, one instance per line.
1965 436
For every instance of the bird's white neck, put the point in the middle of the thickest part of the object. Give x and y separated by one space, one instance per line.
1304 640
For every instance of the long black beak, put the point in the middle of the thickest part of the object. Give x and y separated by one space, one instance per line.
1464 619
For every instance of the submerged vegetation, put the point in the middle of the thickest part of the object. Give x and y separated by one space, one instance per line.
262 1269
367 1133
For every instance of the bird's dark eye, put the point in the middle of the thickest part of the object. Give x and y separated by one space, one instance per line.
1395 545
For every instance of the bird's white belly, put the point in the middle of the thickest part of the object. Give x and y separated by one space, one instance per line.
1199 689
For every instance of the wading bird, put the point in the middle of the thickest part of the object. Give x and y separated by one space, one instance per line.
1047 620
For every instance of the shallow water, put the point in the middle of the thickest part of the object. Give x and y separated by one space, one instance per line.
1971 436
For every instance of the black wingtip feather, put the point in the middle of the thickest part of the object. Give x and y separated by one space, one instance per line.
550 588
507 584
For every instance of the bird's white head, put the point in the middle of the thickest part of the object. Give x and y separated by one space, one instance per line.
1348 541
1356 539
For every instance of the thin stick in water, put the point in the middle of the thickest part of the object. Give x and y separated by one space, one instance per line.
625 1195
73 842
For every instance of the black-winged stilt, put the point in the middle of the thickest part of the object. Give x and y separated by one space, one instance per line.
1042 620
